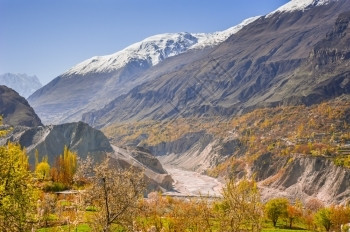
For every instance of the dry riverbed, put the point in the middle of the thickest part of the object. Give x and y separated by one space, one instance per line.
192 184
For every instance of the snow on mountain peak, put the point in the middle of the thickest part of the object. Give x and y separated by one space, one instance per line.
155 49
212 39
302 5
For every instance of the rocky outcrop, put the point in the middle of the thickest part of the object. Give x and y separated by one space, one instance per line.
156 177
145 157
50 140
15 109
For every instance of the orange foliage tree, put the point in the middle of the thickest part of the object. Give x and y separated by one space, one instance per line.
65 167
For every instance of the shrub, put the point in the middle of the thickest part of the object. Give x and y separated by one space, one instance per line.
55 187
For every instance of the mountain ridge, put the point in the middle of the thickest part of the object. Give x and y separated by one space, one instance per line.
113 77
237 76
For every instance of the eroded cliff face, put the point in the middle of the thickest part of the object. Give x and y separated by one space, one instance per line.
300 177
197 151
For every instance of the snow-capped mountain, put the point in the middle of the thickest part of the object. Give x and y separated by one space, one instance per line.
295 5
155 49
23 84
92 84
257 67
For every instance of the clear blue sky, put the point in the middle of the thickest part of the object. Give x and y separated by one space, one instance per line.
47 37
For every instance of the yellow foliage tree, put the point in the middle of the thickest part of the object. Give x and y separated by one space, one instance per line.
17 194
241 207
42 170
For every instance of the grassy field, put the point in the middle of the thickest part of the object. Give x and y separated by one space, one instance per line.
282 227
80 228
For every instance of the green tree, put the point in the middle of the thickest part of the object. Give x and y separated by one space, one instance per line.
17 194
276 208
323 218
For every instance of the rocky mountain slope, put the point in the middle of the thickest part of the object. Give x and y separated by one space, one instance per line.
325 73
15 110
22 83
92 83
253 68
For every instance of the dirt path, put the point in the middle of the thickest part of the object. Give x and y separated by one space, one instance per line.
187 183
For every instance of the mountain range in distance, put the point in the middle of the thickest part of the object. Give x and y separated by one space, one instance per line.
24 84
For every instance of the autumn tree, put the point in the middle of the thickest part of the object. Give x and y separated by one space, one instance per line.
164 213
154 209
276 208
241 207
192 215
17 194
311 207
3 131
114 192
294 212
47 206
339 215
65 167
